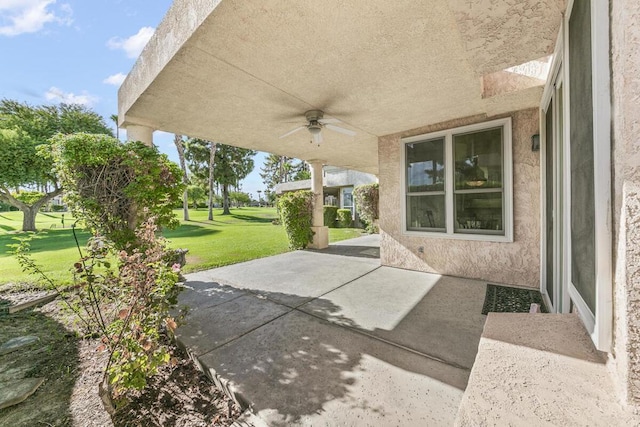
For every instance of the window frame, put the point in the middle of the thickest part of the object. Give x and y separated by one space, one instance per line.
449 191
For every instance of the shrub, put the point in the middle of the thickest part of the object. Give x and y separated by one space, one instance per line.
127 306
7 207
330 215
106 183
366 199
58 208
296 214
344 218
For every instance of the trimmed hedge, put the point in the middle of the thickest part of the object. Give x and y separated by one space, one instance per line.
330 215
296 214
344 218
366 198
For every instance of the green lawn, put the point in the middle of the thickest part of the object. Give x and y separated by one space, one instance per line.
245 234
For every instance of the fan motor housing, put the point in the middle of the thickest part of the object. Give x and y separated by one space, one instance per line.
314 115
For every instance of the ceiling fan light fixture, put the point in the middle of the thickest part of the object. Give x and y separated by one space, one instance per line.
315 129
315 123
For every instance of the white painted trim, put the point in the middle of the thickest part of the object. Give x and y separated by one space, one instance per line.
459 236
507 182
566 166
544 106
562 199
449 185
600 323
584 312
547 97
556 63
560 295
601 80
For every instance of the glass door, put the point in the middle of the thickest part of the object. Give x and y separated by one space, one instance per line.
553 161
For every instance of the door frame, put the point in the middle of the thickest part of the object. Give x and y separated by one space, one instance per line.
560 179
599 324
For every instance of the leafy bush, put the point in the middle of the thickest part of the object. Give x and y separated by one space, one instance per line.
28 197
366 199
58 208
6 207
107 183
330 215
127 306
296 214
344 218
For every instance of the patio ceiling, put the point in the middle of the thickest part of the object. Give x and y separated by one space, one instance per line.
243 72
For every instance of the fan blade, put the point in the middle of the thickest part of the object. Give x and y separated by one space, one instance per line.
327 121
317 138
292 131
341 130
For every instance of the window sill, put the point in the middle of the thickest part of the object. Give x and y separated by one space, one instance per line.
459 236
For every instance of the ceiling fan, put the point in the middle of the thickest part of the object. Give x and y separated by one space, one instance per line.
315 123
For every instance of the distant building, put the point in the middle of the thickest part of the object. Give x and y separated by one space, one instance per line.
338 184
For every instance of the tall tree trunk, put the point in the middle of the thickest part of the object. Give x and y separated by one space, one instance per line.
225 200
29 212
29 218
177 140
212 160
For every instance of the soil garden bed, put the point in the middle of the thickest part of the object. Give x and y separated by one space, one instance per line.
178 395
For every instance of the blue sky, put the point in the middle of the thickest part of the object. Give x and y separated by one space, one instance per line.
79 51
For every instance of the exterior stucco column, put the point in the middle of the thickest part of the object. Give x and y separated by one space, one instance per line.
625 67
143 134
320 232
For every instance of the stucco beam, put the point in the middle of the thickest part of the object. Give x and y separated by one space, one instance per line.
178 25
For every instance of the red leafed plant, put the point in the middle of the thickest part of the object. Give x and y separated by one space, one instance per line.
128 306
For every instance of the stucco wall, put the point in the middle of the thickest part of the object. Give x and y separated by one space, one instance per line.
625 69
512 263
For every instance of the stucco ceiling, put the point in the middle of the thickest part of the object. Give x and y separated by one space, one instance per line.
243 73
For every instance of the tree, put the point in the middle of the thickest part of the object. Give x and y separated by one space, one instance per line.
177 140
115 186
200 155
26 133
301 171
233 164
239 198
278 169
114 119
212 161
196 194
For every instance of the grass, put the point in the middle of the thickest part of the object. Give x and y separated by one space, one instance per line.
246 234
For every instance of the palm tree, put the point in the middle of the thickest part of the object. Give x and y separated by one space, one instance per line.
114 117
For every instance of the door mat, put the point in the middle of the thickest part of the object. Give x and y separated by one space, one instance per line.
505 299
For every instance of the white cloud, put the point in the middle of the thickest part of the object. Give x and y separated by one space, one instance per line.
58 95
134 44
115 79
30 16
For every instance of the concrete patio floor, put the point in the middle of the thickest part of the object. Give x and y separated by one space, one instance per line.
332 338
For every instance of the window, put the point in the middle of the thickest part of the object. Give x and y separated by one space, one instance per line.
458 182
347 199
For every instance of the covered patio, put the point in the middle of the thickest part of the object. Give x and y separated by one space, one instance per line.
504 138
331 337
246 76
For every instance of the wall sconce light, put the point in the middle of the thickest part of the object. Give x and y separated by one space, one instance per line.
535 142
